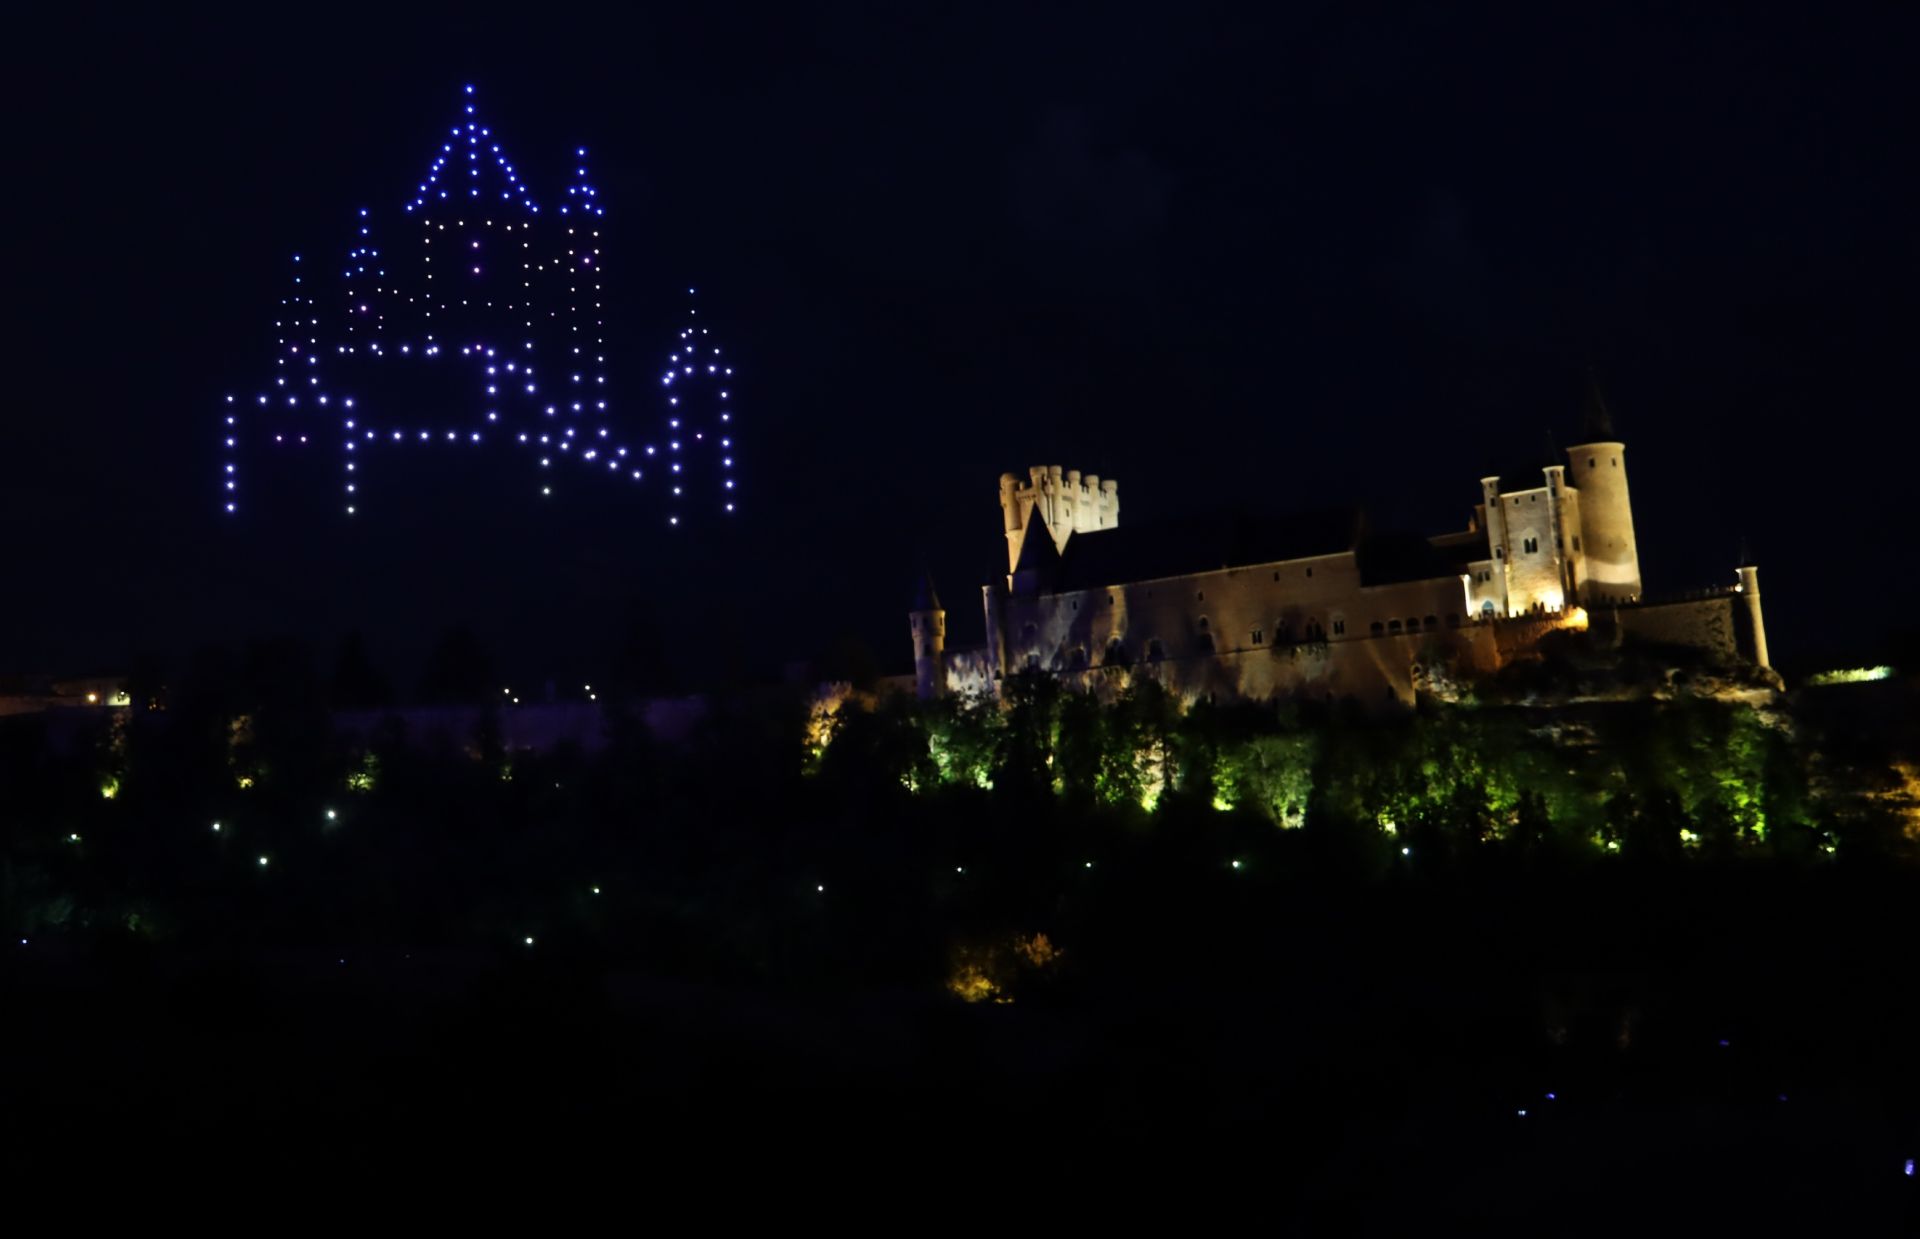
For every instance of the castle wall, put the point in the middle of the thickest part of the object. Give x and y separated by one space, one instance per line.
1708 624
1229 611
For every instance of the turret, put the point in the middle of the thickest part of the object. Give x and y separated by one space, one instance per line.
1496 538
1749 588
1598 470
929 621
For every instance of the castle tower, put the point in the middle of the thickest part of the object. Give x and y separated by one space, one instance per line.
1069 502
1598 469
1497 545
1750 589
929 621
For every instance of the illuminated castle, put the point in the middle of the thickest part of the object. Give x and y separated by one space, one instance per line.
1321 606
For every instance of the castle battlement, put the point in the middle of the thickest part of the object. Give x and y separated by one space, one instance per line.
1068 501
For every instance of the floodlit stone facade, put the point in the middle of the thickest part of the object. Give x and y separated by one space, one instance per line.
1321 606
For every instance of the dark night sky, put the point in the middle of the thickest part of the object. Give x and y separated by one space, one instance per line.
1276 256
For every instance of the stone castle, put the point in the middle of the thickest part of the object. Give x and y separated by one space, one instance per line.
1319 606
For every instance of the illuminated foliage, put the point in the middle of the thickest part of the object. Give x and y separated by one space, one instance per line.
995 970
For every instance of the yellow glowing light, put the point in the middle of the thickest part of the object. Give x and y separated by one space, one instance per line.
1222 803
110 787
1850 675
93 699
1575 618
244 781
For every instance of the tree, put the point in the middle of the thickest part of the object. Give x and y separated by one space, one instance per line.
357 683
458 672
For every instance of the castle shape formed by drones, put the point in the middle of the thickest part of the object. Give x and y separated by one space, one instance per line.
1319 607
480 323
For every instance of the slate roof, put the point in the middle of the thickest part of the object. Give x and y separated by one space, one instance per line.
1131 553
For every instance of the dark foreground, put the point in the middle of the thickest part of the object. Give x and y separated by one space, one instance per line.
1715 1047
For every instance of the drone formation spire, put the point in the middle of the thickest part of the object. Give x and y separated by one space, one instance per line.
482 322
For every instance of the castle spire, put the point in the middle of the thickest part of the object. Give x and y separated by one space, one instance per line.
1596 419
926 597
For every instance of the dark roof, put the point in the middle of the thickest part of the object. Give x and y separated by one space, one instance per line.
1200 544
1037 551
1390 558
1596 419
1461 549
926 598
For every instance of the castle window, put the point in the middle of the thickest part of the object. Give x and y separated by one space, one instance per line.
1033 662
1393 626
1589 462
1204 643
1077 659
1309 571
1339 628
1413 623
1203 624
1532 545
1201 596
1499 553
1155 651
1432 622
1276 574
1116 654
1616 462
1533 499
1258 636
1576 542
1377 629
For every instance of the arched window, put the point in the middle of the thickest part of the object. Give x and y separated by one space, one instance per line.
1154 651
1377 629
1432 622
1393 626
1116 654
1204 626
1077 659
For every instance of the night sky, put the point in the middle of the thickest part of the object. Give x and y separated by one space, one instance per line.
1278 257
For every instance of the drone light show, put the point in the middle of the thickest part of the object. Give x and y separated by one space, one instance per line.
475 319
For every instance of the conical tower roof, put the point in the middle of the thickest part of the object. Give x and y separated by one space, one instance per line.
925 597
1596 419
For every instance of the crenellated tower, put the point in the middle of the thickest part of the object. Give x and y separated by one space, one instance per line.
1070 502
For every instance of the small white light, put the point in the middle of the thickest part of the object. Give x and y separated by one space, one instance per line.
529 939
263 860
